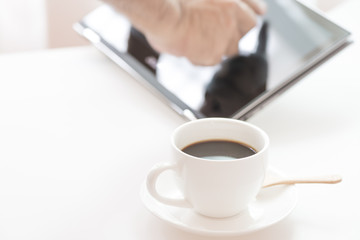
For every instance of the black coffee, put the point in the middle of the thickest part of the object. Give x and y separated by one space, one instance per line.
219 150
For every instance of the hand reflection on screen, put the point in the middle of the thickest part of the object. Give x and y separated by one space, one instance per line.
239 80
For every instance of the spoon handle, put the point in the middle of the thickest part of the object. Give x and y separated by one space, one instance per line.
329 179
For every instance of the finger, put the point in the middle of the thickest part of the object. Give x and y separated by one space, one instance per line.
232 50
259 6
246 19
233 46
211 61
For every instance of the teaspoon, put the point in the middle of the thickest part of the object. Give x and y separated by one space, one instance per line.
271 180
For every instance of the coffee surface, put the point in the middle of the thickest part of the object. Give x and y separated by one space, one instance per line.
219 150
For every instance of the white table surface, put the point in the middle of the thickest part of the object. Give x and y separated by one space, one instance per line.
78 135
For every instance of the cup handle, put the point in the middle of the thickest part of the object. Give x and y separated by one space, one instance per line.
151 180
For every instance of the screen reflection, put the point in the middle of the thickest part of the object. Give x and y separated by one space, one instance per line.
237 81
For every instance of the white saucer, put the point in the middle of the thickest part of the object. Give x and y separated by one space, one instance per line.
271 205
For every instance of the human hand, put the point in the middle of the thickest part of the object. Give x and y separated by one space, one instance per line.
205 31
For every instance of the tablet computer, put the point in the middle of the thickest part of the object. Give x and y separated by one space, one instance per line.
290 40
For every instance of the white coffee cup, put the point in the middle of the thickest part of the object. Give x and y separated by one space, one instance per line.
214 188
